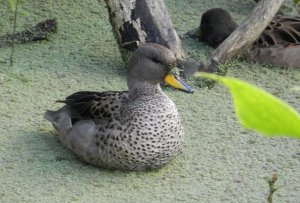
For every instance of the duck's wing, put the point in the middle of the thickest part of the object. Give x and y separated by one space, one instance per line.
282 30
96 105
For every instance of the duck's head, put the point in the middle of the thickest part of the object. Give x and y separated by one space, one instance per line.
215 26
152 64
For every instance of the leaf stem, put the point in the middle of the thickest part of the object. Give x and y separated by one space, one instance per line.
13 38
271 181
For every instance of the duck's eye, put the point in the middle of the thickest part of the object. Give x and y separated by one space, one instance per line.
155 60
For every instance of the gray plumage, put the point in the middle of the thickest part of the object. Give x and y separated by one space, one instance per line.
135 130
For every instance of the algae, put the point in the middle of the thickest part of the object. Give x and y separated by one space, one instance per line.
221 162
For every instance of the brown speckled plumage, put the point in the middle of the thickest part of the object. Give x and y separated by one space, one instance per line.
135 130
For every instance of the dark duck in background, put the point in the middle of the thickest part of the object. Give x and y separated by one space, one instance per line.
278 45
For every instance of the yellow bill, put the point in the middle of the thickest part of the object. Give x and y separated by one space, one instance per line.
177 83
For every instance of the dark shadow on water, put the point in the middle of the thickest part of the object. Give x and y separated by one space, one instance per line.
44 148
46 145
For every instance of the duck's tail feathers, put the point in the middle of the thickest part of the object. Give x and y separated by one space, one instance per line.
56 116
51 116
60 119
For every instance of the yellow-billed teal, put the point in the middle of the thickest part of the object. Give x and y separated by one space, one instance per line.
278 45
137 129
215 26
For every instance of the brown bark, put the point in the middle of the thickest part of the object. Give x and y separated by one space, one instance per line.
136 22
243 36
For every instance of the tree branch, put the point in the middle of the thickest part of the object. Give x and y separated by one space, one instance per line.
243 36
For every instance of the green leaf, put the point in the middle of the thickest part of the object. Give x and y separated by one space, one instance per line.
259 110
12 5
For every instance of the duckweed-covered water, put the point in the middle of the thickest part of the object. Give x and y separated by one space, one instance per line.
221 161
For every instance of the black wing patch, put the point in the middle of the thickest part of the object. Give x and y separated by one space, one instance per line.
97 105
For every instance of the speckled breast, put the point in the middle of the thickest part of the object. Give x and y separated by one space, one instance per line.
155 133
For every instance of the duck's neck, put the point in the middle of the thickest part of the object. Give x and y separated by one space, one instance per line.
140 89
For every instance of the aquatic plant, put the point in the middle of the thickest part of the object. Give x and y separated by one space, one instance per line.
13 4
258 110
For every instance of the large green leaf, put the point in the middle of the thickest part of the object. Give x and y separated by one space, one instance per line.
259 110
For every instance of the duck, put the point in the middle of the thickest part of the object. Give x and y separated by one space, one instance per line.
215 26
278 45
138 129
